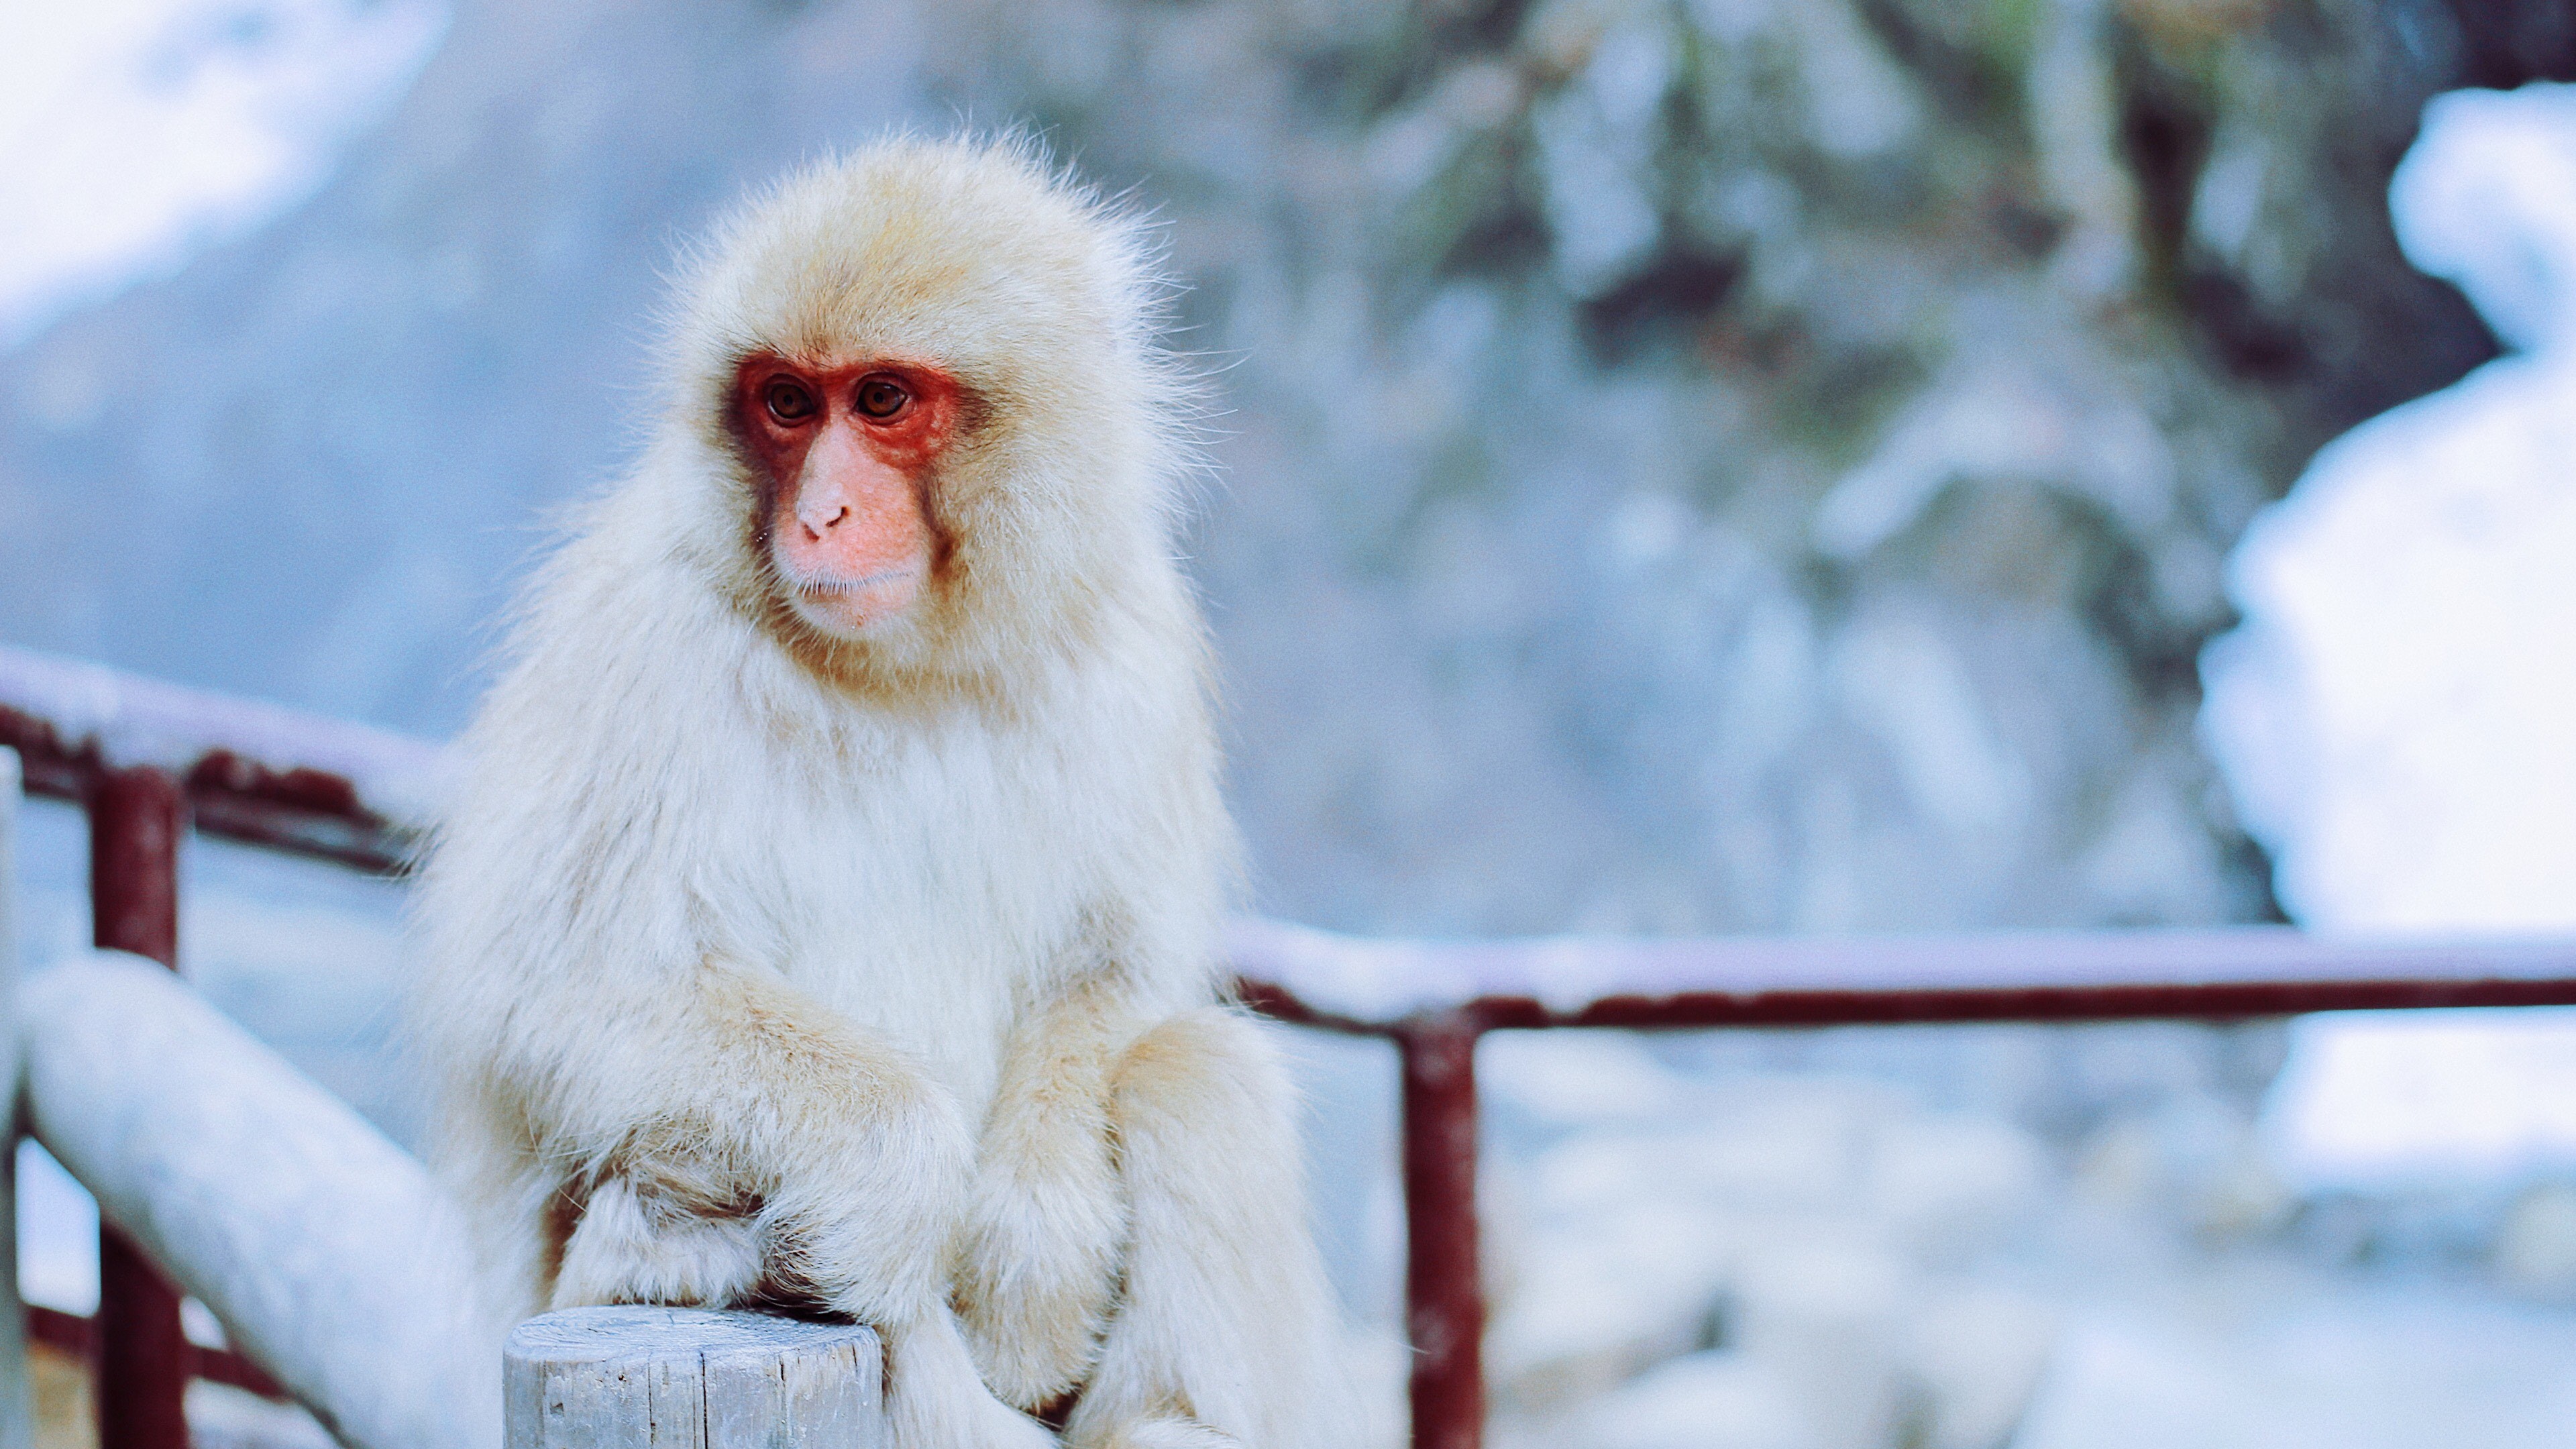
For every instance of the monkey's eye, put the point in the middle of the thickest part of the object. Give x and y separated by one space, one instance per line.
787 400
881 397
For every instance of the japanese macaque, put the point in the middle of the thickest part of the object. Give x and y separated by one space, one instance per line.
828 919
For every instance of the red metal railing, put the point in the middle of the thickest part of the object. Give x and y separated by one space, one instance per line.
136 820
148 760
1456 992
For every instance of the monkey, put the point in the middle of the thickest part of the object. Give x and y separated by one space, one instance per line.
826 917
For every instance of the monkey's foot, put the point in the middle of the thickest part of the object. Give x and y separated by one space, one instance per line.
625 1252
1164 1434
936 1400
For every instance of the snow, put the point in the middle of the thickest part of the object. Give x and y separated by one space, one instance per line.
2349 1368
2487 199
135 134
2397 1100
133 720
2394 716
306 956
57 1234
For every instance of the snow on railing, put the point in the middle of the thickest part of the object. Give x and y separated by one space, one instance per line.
1372 985
252 772
320 1245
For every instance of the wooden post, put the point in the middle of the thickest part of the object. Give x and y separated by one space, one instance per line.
16 1428
136 819
690 1378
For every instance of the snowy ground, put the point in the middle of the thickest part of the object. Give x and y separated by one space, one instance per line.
2040 1238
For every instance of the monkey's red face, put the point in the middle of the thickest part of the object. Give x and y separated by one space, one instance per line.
847 449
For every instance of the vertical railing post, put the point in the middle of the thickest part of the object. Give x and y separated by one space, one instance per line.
17 1429
1443 1283
136 819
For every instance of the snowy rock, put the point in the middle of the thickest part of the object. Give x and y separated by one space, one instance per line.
2194 1162
1711 1400
1828 1317
2302 1366
2393 716
1591 1307
1952 1186
2535 1248
2395 1100
2487 199
1977 1353
1569 1078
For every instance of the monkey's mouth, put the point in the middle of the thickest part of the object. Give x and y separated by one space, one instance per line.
828 589
847 607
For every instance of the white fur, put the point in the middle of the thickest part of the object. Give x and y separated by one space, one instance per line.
882 971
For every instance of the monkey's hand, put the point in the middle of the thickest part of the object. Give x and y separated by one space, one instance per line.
768 1150
652 1232
1037 1252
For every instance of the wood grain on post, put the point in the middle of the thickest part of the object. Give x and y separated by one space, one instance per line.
690 1378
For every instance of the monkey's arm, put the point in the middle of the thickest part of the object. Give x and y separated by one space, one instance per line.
1037 1248
721 1113
1226 1331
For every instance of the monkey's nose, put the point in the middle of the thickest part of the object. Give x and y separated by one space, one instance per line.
829 523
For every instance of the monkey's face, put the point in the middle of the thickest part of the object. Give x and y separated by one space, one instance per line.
845 451
922 424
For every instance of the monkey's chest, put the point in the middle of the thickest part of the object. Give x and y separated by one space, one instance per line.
921 906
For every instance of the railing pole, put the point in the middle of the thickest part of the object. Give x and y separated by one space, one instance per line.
136 819
1443 1285
17 1430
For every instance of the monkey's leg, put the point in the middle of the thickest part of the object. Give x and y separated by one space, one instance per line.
734 1119
631 1247
1225 1334
936 1400
1037 1252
